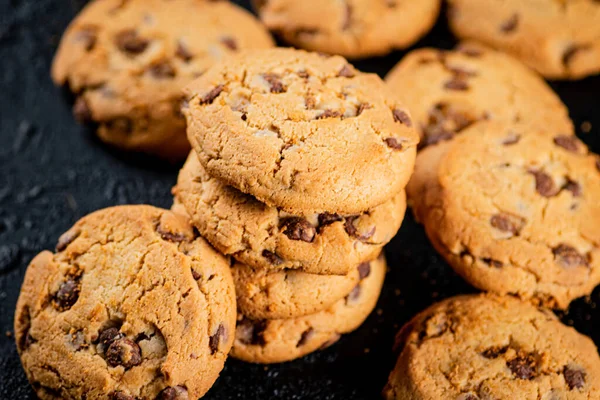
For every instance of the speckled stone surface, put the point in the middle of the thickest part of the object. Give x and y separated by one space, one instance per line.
53 171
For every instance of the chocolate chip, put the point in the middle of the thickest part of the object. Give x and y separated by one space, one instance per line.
575 378
196 275
124 352
347 17
118 395
121 125
299 229
329 114
175 237
494 352
362 107
174 393
569 143
570 52
81 110
443 122
328 219
507 223
523 366
214 341
29 340
230 43
544 184
209 97
347 71
305 337
457 83
108 336
77 340
352 231
303 74
512 139
492 263
598 164
275 83
183 53
354 295
435 136
67 294
568 256
393 143
511 24
364 270
251 332
272 257
162 70
573 187
402 117
88 37
66 239
128 41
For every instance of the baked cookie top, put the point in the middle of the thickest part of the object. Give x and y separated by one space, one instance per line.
281 340
133 298
268 238
487 347
351 28
559 39
128 61
301 131
447 91
514 210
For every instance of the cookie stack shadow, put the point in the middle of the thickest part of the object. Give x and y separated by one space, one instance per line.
286 177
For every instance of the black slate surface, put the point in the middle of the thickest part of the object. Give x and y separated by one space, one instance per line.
53 171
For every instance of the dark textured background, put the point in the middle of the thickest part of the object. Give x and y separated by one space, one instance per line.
53 171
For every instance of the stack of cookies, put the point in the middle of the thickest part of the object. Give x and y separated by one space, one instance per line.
298 170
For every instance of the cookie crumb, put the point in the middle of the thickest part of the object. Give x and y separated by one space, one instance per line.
586 127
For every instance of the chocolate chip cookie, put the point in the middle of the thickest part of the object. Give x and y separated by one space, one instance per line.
514 210
134 300
351 28
127 62
280 340
447 91
302 132
263 294
488 347
559 39
266 237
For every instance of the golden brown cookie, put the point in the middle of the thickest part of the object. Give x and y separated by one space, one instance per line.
302 132
134 300
513 210
280 340
488 347
559 39
265 237
351 28
447 91
127 62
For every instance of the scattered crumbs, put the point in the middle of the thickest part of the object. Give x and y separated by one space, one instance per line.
9 334
367 350
570 322
397 292
379 312
265 368
586 127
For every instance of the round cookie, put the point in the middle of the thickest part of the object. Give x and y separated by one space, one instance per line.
559 39
300 131
133 299
513 210
128 61
351 28
281 340
263 294
447 91
488 347
268 238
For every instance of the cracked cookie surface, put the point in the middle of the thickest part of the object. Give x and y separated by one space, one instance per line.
513 210
486 347
351 28
265 237
134 298
560 39
300 131
448 91
281 340
128 61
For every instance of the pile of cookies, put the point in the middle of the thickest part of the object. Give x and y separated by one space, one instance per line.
298 170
